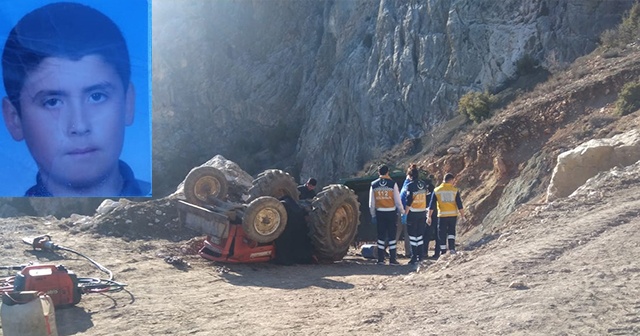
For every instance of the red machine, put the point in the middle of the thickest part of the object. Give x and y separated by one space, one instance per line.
226 240
56 281
236 248
320 229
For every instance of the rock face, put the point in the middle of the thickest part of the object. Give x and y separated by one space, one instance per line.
576 166
320 87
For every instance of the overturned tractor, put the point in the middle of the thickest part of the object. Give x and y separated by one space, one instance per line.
255 231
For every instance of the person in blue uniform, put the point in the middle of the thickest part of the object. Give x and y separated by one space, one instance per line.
416 213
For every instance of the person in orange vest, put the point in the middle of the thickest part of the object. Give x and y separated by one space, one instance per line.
384 202
446 197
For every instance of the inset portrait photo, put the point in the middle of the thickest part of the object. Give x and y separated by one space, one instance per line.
76 98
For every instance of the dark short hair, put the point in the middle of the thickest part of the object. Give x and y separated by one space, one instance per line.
65 30
411 167
414 173
448 177
383 170
312 182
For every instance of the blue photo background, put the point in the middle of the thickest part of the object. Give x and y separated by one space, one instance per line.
17 168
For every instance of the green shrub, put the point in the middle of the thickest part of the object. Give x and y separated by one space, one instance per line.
476 105
627 31
628 99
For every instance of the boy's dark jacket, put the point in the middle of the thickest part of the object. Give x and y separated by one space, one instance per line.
131 186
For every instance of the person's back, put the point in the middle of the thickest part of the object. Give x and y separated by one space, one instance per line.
446 197
416 209
446 200
384 201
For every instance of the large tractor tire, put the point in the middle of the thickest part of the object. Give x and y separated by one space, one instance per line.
203 183
333 222
275 183
264 219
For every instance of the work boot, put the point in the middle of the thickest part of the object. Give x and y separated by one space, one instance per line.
415 254
381 257
393 260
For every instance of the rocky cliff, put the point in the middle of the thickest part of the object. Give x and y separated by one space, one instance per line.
321 87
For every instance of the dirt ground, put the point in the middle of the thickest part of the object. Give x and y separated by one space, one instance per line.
565 268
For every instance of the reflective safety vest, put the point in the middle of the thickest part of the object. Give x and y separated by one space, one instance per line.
446 197
383 194
417 198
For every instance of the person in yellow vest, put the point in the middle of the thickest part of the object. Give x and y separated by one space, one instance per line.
416 210
384 202
446 198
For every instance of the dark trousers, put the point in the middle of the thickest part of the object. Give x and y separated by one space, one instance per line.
416 222
447 232
386 232
431 233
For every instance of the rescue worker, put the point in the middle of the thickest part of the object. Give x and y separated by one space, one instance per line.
416 213
446 197
384 202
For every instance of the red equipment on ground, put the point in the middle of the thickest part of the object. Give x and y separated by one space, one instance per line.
56 281
63 286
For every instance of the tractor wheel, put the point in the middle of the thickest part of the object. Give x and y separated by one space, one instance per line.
333 222
264 219
275 183
205 182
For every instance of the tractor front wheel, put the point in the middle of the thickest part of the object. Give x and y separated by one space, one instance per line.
202 183
264 219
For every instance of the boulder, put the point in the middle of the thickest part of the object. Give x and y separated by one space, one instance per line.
576 166
239 181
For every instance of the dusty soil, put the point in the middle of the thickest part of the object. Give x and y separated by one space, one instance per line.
565 268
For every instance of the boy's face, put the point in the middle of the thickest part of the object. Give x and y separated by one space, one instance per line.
72 117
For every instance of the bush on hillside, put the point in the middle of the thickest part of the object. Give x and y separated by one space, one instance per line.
627 32
476 106
628 99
